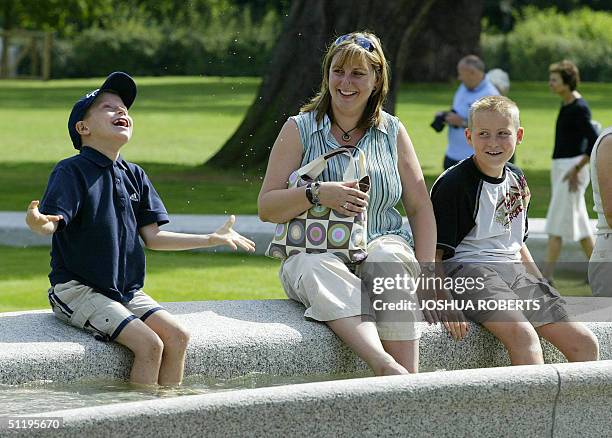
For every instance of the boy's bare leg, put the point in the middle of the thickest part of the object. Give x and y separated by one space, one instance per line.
406 353
147 348
362 337
175 339
573 339
519 337
552 255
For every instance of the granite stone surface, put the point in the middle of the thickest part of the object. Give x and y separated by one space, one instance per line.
234 338
534 401
584 406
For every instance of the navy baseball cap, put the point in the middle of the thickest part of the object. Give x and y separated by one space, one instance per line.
119 82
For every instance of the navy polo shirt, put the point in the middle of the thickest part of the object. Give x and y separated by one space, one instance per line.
103 203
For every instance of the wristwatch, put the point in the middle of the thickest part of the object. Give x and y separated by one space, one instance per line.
316 188
309 193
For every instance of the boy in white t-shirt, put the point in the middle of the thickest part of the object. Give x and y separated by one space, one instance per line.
481 206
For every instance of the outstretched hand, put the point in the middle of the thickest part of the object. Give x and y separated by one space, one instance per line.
41 223
226 235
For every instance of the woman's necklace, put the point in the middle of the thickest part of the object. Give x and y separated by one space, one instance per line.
346 134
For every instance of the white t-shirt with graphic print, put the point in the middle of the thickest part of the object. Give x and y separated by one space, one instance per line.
480 218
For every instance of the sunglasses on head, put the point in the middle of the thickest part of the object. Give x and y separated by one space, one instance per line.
359 40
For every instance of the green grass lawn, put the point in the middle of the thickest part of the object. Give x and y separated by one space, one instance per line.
176 276
179 123
171 276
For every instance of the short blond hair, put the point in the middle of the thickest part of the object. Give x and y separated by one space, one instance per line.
350 51
498 104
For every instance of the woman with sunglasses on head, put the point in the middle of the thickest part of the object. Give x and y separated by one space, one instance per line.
347 111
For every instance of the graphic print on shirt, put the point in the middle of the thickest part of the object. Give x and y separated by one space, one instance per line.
511 203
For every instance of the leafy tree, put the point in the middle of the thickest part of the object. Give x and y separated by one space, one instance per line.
294 73
502 15
61 16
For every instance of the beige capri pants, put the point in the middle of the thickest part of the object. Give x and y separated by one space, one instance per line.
329 290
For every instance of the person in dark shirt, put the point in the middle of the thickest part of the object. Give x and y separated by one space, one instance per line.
97 206
567 216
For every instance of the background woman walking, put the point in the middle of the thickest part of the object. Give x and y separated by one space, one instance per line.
567 216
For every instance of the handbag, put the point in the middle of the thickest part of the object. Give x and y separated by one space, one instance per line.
321 229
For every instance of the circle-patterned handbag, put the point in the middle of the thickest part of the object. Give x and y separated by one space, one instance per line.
321 229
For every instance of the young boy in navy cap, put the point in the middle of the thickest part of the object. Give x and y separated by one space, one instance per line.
97 205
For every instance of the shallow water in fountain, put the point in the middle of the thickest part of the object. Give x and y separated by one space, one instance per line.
46 396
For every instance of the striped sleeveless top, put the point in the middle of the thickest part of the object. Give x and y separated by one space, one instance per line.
379 145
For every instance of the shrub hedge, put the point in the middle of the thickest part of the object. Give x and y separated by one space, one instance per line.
542 37
235 45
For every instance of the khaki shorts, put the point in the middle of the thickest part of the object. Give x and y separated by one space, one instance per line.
600 266
330 290
508 287
83 307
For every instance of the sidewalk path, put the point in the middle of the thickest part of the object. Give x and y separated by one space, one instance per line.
14 232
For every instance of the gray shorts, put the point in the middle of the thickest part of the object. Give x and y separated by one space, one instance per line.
83 307
600 266
506 287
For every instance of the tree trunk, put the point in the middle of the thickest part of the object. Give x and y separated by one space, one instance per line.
294 74
452 34
7 13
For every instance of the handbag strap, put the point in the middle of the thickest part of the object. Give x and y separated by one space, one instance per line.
349 173
317 166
